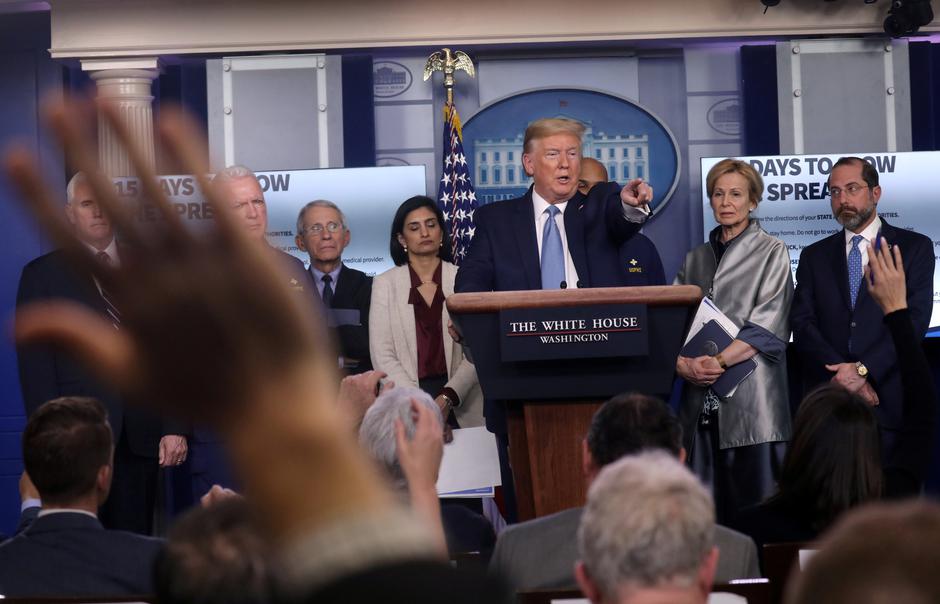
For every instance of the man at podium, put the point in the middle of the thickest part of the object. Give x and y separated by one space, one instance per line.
552 237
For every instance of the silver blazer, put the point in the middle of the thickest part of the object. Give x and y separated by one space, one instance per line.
752 285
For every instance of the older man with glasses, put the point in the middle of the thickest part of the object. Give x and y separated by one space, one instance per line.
322 232
837 326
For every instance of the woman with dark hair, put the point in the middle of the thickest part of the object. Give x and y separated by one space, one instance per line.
834 462
408 335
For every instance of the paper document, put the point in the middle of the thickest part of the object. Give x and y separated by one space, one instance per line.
470 467
708 311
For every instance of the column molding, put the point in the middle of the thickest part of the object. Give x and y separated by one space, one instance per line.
127 85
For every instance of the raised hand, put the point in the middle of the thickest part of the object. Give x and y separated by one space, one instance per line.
884 277
636 193
208 332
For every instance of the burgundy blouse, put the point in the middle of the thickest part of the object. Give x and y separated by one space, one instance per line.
428 324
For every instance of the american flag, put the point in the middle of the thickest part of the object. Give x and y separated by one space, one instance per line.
455 195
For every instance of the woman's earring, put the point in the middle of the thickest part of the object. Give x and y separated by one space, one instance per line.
404 247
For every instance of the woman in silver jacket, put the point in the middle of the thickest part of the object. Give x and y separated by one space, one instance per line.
736 444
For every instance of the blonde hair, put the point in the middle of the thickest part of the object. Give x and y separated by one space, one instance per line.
550 126
755 184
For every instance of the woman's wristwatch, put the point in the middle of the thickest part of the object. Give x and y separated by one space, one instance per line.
721 361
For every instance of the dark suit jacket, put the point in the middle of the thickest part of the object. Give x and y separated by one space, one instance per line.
504 252
71 554
354 292
641 262
823 320
47 373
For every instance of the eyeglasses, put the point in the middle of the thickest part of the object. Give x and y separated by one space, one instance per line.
317 229
850 190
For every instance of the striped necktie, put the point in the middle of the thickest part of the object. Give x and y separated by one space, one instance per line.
109 306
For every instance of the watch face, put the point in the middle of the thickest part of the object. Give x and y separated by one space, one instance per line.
862 370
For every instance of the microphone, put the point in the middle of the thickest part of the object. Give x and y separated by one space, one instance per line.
563 285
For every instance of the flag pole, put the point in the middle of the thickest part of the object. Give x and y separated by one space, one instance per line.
456 197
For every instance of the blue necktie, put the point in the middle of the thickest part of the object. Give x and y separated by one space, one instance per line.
855 268
553 255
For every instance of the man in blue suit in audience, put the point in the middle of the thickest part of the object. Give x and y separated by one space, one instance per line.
541 553
65 551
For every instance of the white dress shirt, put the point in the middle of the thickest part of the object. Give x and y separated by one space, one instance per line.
539 205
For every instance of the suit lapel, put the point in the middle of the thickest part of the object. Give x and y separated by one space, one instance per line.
344 287
523 228
574 233
406 315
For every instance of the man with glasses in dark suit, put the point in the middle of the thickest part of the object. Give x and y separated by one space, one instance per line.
837 326
346 293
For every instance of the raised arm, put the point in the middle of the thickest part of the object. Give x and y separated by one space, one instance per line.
209 331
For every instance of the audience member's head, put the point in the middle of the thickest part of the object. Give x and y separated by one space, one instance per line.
877 554
648 529
627 424
377 431
592 173
216 554
67 453
833 462
239 191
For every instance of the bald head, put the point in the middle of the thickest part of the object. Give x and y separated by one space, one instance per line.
592 172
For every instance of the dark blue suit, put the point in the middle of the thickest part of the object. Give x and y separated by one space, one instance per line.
48 372
208 461
504 254
823 320
641 263
71 554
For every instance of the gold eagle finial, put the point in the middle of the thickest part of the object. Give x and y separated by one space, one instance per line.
448 61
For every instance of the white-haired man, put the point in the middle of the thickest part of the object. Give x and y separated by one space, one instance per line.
239 189
346 293
403 433
647 534
142 440
240 192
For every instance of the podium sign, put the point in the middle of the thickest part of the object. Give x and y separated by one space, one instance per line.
574 332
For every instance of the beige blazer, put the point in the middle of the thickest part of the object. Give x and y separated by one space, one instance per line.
393 341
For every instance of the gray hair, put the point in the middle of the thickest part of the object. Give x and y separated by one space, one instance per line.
319 203
648 523
232 173
377 432
78 179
